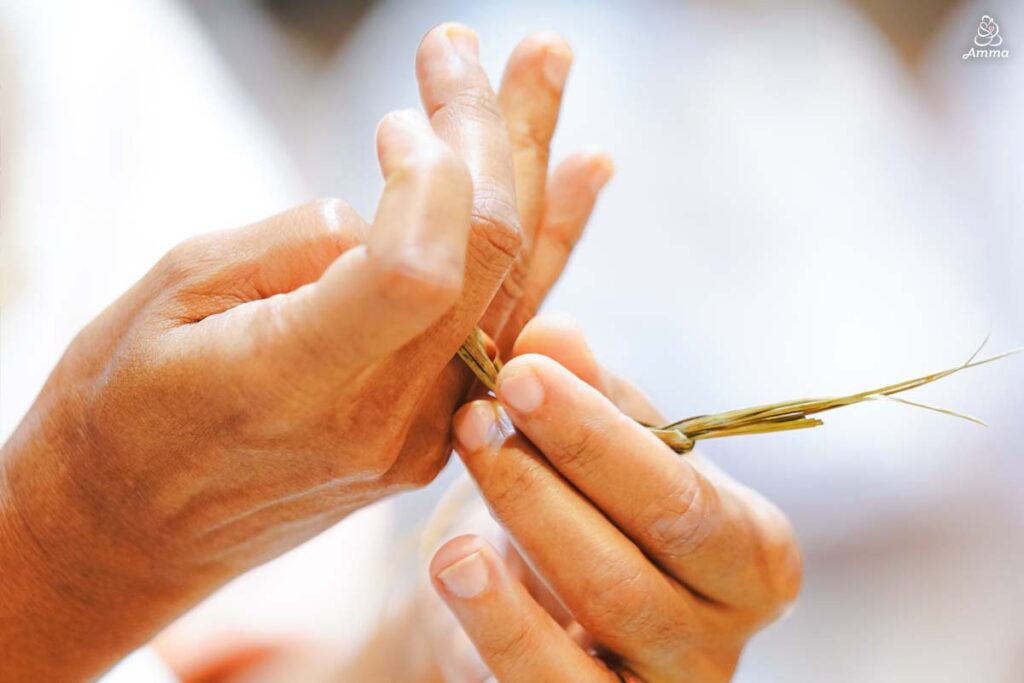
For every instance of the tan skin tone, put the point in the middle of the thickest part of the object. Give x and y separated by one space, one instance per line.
260 384
637 560
230 406
528 623
625 558
615 556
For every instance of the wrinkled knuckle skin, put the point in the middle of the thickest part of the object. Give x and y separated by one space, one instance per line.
508 491
582 448
618 598
681 521
495 224
513 647
474 104
185 259
205 275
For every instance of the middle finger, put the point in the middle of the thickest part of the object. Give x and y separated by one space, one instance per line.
721 540
464 112
603 579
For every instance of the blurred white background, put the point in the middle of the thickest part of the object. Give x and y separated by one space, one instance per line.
811 198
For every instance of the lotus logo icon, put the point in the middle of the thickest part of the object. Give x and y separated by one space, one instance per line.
987 40
988 33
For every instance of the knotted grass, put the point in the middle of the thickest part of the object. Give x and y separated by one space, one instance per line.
681 435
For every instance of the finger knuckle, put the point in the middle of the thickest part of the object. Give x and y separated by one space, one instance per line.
496 221
475 103
418 473
528 134
782 562
379 464
184 258
507 494
680 520
584 446
335 219
513 646
514 284
620 597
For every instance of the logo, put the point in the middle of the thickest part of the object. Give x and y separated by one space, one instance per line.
987 41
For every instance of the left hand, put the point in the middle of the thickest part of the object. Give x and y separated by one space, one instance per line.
665 565
524 222
504 139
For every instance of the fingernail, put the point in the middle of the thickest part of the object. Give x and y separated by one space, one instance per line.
520 389
464 40
478 427
467 578
556 66
600 173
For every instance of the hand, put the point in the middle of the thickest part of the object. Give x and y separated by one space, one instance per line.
664 566
525 223
227 407
261 383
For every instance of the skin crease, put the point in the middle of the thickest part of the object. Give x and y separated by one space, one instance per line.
449 656
663 565
583 562
729 563
261 383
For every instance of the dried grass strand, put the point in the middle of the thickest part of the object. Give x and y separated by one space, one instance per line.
682 435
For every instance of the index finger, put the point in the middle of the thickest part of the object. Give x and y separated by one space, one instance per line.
464 112
723 541
530 97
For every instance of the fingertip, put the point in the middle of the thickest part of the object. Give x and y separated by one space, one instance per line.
546 52
464 40
560 337
397 132
453 551
519 386
601 170
479 426
447 45
590 167
544 331
403 118
463 568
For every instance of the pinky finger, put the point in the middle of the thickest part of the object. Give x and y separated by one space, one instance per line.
514 636
569 199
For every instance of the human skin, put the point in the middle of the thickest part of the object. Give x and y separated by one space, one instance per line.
599 540
661 565
260 384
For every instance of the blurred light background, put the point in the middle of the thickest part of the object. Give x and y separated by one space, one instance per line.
811 197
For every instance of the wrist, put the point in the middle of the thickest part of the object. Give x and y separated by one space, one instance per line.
72 600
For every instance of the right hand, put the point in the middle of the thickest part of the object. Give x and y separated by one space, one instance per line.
616 558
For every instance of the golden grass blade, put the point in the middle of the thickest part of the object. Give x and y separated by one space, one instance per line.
773 417
473 353
944 411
